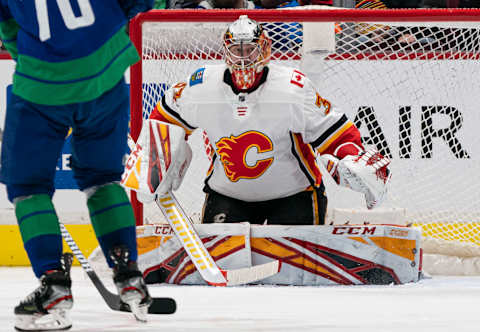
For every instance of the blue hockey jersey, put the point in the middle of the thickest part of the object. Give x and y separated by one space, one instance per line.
67 50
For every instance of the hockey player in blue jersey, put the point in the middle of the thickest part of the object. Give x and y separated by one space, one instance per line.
71 56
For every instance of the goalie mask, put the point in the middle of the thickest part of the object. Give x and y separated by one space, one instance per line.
247 51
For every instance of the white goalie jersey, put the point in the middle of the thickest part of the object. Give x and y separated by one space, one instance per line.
265 141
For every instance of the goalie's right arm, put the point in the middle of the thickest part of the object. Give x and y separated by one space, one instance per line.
338 142
158 162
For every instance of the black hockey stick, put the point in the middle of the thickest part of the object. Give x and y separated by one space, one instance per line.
160 305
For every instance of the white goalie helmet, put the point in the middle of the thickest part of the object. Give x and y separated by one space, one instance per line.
247 51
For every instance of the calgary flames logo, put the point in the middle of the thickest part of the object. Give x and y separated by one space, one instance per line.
233 153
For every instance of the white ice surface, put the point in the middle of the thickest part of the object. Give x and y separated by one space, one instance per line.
440 304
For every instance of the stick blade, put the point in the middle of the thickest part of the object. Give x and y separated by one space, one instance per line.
252 274
163 306
159 306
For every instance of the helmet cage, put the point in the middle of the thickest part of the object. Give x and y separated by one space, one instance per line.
243 55
246 52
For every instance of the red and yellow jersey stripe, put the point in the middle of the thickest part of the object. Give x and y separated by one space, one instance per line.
305 155
343 131
162 112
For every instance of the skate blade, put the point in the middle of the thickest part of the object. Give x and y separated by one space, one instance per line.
55 320
140 312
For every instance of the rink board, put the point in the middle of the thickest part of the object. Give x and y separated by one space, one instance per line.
13 253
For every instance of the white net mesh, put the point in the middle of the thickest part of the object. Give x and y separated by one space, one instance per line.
411 89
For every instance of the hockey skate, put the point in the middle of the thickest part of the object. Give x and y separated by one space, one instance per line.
46 308
130 284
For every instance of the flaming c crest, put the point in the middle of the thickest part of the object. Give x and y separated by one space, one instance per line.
233 151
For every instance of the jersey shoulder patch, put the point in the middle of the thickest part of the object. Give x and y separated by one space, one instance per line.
298 78
197 77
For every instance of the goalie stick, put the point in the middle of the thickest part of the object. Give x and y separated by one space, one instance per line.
199 255
160 305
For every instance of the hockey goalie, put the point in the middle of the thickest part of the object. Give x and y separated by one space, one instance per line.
267 124
267 128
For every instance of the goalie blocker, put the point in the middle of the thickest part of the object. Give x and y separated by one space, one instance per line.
158 161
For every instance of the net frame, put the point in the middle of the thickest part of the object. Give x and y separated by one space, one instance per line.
312 15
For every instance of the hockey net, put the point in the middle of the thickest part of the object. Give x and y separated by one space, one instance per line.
411 88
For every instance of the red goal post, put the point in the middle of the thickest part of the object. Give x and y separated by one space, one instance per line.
407 77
